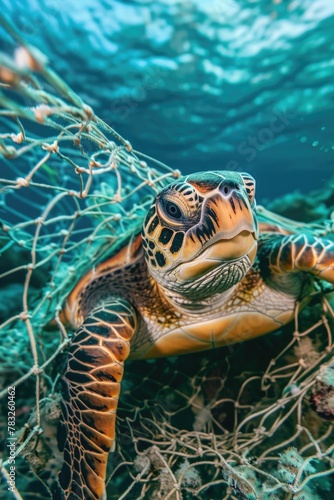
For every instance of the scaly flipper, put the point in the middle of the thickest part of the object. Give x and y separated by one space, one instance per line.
91 387
298 253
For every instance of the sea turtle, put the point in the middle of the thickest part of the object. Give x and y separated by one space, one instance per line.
198 275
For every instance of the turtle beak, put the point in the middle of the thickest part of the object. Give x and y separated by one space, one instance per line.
227 229
219 252
233 214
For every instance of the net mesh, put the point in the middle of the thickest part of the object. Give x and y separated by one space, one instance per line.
223 424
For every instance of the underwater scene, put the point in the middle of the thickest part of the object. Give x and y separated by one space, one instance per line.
167 249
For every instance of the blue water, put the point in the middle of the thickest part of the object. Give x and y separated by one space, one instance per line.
246 85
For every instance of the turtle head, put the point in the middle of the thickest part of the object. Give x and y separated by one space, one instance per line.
200 235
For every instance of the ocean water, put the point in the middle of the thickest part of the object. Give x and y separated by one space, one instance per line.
244 85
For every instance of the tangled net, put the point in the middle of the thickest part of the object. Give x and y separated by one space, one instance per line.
222 424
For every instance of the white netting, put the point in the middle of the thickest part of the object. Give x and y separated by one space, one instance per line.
209 425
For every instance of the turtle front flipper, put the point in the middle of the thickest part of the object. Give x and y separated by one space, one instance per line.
91 386
279 255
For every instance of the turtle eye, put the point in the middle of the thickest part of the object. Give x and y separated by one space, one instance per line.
173 210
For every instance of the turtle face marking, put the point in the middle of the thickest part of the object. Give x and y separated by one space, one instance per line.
199 237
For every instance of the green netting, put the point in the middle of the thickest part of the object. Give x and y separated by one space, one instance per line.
234 423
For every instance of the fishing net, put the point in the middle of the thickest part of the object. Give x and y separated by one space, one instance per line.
238 422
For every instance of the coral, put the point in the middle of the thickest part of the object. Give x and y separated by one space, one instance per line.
322 397
299 207
188 476
290 464
306 351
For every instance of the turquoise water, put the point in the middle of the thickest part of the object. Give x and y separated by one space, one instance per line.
199 85
245 85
